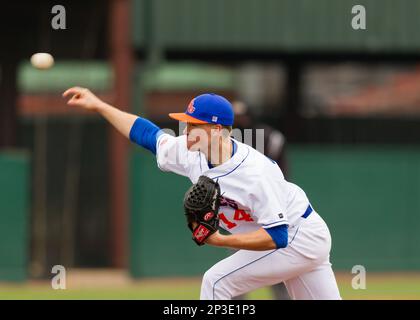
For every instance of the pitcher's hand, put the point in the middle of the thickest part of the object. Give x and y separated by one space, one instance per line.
83 98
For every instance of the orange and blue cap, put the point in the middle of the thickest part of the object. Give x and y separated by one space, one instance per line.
207 108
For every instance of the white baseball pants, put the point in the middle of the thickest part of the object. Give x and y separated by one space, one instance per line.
303 266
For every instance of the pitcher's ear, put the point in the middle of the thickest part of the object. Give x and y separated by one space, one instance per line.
215 130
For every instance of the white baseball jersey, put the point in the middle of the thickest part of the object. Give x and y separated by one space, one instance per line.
255 194
254 191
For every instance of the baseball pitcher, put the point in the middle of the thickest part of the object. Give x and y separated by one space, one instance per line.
280 237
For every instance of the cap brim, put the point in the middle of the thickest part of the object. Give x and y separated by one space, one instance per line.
183 117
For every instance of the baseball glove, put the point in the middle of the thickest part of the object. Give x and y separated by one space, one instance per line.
201 205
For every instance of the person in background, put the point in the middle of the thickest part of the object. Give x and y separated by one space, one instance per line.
274 148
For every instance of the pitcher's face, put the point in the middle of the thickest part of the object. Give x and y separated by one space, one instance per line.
200 136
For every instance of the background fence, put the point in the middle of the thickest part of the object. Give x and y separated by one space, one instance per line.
14 209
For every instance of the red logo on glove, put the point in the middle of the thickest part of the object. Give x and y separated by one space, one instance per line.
208 216
200 233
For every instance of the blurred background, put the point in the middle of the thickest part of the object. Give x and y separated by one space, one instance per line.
75 193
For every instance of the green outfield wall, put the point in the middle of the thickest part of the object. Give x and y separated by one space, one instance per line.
369 196
14 215
97 76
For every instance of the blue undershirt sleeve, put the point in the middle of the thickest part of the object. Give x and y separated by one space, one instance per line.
145 133
279 235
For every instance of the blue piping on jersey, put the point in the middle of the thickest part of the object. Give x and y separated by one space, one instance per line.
266 225
294 235
308 211
223 175
271 160
214 285
234 148
201 169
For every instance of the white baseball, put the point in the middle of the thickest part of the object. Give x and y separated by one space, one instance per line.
42 60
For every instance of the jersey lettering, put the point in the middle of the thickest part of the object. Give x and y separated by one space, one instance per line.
229 224
228 202
242 215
